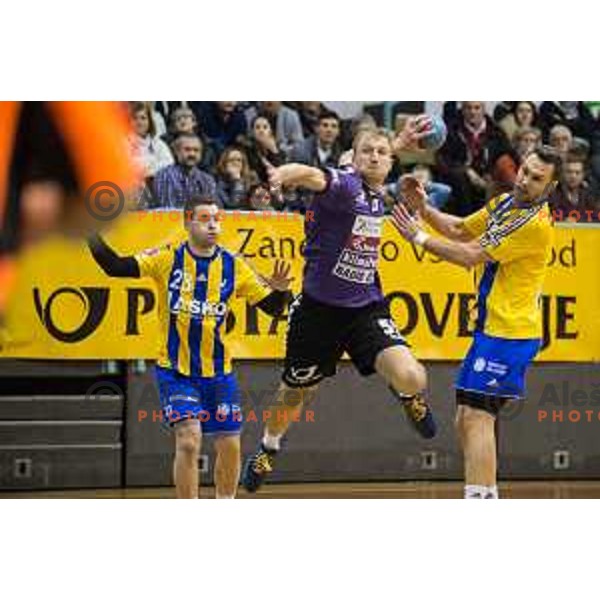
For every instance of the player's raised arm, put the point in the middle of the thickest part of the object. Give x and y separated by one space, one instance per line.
110 262
295 174
449 226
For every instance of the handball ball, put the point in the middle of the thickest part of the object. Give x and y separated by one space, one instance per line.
436 134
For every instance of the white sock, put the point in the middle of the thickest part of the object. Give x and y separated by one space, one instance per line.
482 492
271 441
218 497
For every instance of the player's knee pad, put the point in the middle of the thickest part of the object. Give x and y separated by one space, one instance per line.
478 401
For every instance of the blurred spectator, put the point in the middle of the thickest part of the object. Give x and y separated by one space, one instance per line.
147 148
476 159
223 124
593 106
309 116
165 109
362 122
263 146
260 198
157 118
502 109
525 139
574 196
284 121
234 178
176 183
561 139
451 113
523 113
351 128
182 120
322 148
574 115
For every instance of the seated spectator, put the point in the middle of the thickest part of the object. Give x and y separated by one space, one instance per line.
502 109
594 108
309 116
350 129
234 178
451 113
574 199
260 198
174 184
183 121
322 148
284 121
574 115
561 139
165 109
362 122
477 159
263 146
522 114
157 117
223 125
526 139
147 148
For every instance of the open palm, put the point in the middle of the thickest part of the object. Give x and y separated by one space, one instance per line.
280 279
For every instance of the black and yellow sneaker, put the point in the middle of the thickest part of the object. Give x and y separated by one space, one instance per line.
419 414
257 467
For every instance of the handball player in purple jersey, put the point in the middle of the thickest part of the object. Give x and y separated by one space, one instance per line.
342 307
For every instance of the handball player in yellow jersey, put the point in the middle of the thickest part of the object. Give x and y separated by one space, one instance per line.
508 243
196 280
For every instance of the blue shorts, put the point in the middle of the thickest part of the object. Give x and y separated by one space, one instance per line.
214 401
496 366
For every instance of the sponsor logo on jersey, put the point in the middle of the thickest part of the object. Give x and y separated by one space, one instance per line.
364 244
369 226
198 308
353 274
358 261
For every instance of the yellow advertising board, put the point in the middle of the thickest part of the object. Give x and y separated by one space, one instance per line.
65 307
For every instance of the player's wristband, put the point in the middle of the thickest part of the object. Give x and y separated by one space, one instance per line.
420 237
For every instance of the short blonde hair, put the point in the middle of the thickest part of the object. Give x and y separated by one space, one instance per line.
377 132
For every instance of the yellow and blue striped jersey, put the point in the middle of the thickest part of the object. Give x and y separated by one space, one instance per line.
519 242
194 294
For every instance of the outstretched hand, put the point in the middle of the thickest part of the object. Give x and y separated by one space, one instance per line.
406 225
280 279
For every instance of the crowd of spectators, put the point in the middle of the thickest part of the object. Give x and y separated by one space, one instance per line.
222 149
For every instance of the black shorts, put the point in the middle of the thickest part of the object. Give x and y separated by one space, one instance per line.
318 335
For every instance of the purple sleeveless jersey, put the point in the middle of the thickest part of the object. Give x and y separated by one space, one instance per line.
342 242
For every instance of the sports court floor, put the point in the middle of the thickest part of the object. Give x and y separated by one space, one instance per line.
415 490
